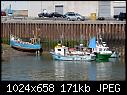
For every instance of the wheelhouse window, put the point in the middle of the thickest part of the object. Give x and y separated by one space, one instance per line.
100 49
59 49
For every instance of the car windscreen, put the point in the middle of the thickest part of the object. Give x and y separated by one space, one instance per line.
71 14
78 14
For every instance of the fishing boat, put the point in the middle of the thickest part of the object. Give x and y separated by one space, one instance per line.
63 53
100 49
115 54
32 46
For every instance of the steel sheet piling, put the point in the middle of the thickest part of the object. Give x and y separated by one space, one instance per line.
51 32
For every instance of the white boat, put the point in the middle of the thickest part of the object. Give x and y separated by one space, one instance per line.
101 49
62 53
114 54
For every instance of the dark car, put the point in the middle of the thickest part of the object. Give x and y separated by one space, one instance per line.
3 13
121 16
55 14
74 16
101 18
115 16
43 14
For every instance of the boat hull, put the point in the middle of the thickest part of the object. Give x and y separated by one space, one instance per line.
25 47
26 50
102 56
73 57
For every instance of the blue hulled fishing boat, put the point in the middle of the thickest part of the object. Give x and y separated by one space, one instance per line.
32 46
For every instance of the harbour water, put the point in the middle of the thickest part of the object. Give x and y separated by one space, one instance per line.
26 66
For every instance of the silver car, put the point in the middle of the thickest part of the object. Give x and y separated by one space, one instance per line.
74 16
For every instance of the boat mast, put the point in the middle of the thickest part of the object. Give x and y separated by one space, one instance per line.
35 34
61 39
81 39
99 39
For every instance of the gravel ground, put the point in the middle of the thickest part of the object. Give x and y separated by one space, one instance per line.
7 51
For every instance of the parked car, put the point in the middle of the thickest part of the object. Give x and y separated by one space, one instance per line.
101 18
121 16
80 17
43 14
3 13
74 16
115 16
55 14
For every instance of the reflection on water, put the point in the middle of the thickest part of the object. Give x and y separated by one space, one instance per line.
59 70
32 67
104 71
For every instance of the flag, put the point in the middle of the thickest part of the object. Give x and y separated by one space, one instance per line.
92 43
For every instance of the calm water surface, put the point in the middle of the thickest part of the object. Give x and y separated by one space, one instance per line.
31 67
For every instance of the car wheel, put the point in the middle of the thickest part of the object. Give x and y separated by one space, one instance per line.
117 18
78 19
68 19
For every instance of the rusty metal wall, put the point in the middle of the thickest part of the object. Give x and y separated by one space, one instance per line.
51 33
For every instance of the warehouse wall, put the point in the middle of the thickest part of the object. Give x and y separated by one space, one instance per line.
15 5
117 4
34 8
86 8
83 7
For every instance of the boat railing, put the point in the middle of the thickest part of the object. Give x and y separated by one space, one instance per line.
32 40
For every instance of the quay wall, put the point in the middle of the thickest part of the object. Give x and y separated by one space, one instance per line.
52 31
